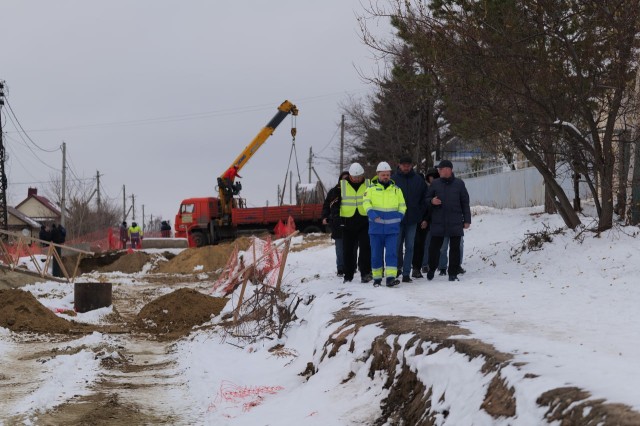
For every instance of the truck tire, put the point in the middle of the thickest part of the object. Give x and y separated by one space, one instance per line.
199 239
311 229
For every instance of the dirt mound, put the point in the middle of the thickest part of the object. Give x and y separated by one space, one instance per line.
21 311
176 313
211 258
130 263
14 279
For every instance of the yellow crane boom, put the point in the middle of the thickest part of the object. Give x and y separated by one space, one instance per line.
226 197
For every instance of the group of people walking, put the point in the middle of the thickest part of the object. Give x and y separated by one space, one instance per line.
375 223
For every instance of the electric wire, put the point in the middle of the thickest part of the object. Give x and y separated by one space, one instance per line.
328 143
191 116
29 147
24 131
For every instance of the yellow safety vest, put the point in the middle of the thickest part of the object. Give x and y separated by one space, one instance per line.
352 199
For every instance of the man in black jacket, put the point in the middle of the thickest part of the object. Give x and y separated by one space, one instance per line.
414 189
331 218
423 234
450 216
58 236
356 224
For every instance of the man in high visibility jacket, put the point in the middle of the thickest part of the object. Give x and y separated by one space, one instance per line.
385 207
355 233
135 234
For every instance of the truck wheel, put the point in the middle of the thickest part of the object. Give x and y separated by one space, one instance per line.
311 229
199 239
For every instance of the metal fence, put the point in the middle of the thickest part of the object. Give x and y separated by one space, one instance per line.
502 187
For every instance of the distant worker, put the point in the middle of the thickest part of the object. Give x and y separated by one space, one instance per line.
58 236
229 177
135 234
385 208
44 235
165 229
124 235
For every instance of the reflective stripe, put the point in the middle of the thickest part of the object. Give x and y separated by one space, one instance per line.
386 209
389 221
376 272
392 271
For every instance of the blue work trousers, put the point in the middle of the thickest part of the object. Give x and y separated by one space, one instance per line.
384 246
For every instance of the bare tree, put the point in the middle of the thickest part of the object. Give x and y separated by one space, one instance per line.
550 75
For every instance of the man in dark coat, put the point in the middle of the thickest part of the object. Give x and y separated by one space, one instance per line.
331 218
450 216
124 235
423 234
165 229
356 225
57 237
414 189
44 235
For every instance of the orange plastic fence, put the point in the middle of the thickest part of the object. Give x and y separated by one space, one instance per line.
97 241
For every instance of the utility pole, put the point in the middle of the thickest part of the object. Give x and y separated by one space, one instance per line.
143 217
64 184
4 220
310 161
133 207
98 187
342 145
124 204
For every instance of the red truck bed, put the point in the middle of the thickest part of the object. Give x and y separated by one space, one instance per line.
271 215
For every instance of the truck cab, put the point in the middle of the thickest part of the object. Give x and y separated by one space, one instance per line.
196 220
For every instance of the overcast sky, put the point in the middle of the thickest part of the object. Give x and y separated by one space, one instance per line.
161 96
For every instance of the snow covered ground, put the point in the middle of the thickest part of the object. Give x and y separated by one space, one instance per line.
567 313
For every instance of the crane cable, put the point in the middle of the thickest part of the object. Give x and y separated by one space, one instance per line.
293 149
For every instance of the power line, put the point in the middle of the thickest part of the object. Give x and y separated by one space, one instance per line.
183 117
330 140
27 146
24 131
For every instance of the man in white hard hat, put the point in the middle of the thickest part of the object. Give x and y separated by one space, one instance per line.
385 208
355 234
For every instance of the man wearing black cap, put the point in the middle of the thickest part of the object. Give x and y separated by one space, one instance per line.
414 190
450 216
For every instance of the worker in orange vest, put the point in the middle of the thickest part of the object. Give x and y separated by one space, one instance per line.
229 176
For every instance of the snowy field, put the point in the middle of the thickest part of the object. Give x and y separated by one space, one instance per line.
566 312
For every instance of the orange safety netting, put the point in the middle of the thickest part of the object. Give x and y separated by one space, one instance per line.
17 250
98 241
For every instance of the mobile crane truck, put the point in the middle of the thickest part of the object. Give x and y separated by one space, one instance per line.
208 220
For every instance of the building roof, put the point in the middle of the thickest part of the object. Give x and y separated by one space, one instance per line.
23 217
44 201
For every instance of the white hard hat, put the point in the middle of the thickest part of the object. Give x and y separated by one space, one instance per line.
383 167
356 170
